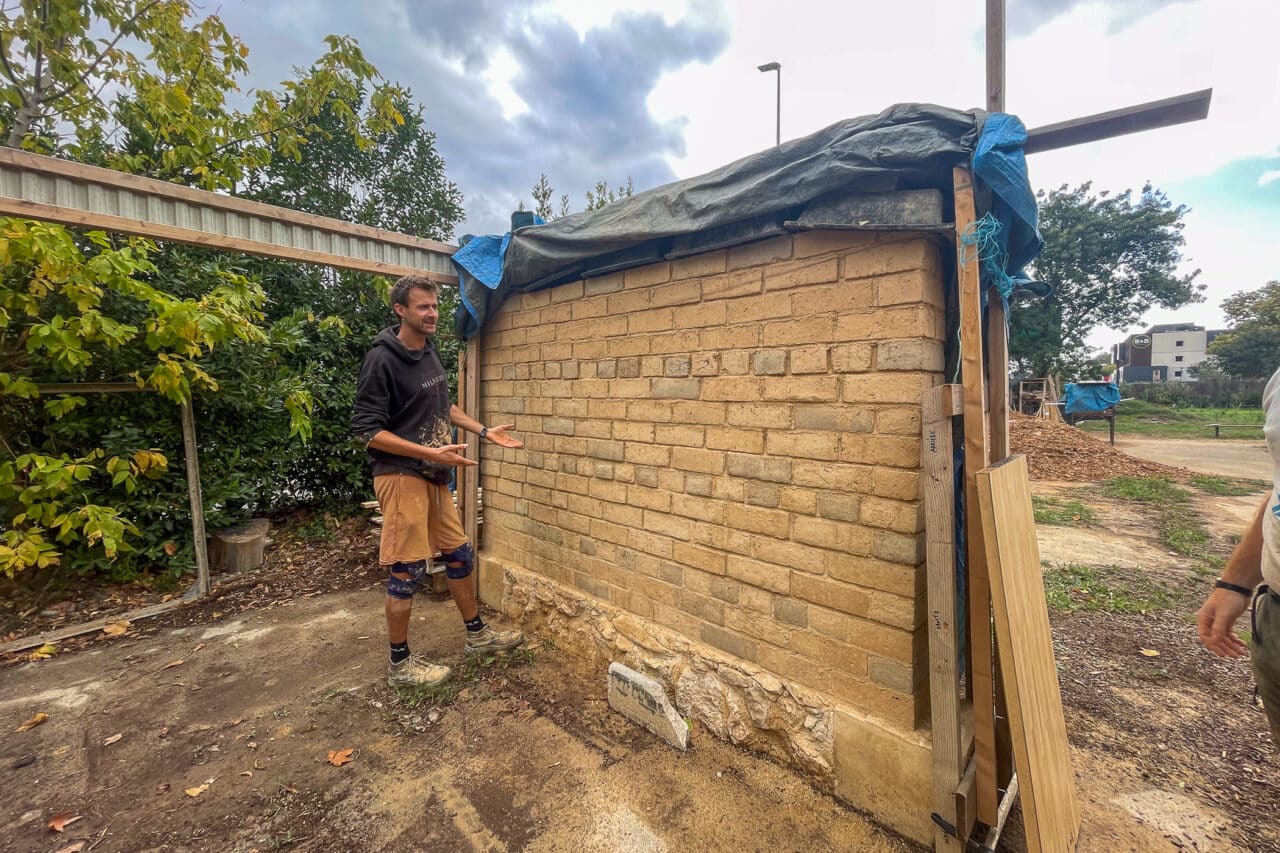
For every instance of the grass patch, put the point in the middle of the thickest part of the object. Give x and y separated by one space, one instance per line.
465 675
1137 417
1110 589
1181 527
1062 513
1226 486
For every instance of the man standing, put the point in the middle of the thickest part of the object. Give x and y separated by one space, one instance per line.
1252 574
404 417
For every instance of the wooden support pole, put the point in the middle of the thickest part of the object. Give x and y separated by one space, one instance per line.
995 56
950 750
196 496
469 478
998 368
976 458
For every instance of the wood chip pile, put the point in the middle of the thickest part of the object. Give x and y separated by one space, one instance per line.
1056 451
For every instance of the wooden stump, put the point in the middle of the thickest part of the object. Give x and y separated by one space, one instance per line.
239 548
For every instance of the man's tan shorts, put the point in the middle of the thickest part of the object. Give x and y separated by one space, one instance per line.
418 519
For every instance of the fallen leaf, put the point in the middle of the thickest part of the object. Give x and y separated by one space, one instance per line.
171 548
1149 653
248 773
198 647
112 739
62 819
45 652
197 790
339 757
115 629
74 847
30 724
171 664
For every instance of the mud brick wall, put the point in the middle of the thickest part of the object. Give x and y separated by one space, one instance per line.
729 445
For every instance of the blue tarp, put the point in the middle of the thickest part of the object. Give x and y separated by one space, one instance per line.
1090 397
999 162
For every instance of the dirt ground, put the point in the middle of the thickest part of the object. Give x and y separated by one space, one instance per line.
1225 457
1171 750
528 756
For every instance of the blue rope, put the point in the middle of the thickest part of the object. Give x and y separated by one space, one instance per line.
983 236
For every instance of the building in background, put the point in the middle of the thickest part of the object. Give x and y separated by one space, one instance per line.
1163 353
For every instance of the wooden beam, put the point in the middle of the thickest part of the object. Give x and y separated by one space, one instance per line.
940 404
995 56
976 458
196 497
998 371
1179 109
469 478
85 196
91 388
23 643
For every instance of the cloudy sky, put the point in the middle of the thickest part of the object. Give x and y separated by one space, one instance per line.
586 90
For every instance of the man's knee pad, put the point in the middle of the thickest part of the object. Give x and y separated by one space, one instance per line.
463 554
404 588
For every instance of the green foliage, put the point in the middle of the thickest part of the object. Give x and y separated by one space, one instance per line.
1251 350
1108 258
1226 487
269 352
1062 513
1181 527
1145 489
1139 417
1110 589
597 197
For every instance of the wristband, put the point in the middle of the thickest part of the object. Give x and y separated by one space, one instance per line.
484 432
1243 590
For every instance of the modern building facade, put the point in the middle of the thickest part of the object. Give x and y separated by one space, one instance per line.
1163 353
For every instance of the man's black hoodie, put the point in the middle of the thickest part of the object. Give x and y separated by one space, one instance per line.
405 392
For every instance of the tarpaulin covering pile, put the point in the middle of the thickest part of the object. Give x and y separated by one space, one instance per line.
1090 397
917 145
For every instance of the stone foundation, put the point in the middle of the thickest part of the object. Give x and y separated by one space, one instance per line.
871 766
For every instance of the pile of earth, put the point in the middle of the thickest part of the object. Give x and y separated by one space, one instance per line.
1056 451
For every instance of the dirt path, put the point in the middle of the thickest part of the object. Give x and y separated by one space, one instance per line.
1246 460
526 758
1169 748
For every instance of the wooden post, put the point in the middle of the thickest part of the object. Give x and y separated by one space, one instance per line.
469 478
950 749
975 459
995 56
196 496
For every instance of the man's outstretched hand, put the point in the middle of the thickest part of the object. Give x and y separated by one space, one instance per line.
1216 619
498 435
448 456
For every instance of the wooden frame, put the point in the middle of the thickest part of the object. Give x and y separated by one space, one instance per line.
194 494
469 478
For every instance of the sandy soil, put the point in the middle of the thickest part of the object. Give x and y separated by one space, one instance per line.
1245 459
526 758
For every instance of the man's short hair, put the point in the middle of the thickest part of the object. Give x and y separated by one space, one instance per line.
400 290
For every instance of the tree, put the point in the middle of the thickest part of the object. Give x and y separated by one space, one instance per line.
88 306
1251 350
1108 259
597 197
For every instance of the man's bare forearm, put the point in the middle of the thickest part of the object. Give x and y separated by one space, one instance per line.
464 421
389 442
1244 566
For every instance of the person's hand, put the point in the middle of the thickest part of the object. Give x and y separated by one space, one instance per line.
447 456
1216 619
498 435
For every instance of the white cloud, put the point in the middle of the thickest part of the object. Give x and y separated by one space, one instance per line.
1267 177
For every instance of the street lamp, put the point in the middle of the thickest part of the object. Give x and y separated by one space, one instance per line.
776 66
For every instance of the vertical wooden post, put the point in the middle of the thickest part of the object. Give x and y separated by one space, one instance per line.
196 496
995 56
469 478
949 749
998 365
975 459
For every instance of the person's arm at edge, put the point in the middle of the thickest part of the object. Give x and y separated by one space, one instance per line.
498 435
1218 614
389 442
369 420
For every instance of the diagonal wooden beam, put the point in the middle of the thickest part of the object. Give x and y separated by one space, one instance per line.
1179 109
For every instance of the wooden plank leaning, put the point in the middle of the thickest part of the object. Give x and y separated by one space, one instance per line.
976 458
469 478
950 746
1029 669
